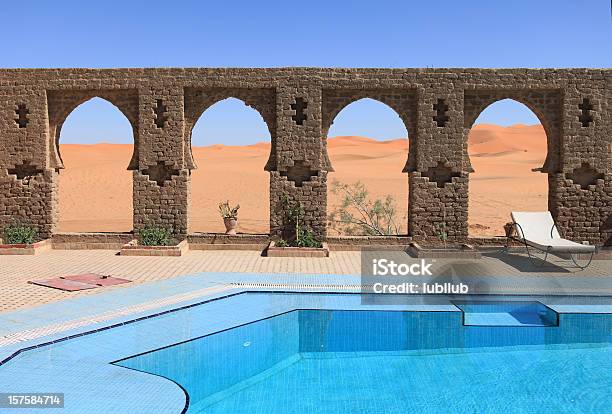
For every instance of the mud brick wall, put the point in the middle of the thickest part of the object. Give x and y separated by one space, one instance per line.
437 106
583 213
161 181
300 175
28 189
437 188
584 190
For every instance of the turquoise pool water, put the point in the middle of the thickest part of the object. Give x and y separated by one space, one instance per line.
378 361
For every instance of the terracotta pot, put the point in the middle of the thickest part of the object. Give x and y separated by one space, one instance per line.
509 229
230 225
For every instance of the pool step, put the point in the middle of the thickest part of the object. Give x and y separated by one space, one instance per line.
511 313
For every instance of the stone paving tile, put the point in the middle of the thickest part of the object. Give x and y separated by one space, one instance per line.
15 271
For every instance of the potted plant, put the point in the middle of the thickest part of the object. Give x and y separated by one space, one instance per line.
509 229
230 217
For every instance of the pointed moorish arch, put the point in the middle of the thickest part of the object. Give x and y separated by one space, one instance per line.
257 101
77 215
547 105
493 205
402 102
347 107
60 105
197 101
396 106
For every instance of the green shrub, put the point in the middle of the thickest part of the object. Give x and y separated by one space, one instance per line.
358 215
301 235
306 238
155 236
18 233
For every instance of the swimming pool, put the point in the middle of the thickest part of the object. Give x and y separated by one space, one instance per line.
327 353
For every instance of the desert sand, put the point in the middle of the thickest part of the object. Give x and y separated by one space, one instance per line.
96 190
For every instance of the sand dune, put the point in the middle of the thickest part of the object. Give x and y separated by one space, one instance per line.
486 138
96 191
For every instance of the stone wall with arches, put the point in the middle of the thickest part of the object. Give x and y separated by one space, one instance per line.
438 107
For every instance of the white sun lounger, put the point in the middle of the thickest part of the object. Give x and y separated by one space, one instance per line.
538 230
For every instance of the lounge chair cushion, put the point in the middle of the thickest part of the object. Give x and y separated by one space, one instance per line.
538 230
560 246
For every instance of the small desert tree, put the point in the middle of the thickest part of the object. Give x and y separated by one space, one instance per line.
300 234
359 215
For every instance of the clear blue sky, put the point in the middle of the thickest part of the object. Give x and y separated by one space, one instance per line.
475 33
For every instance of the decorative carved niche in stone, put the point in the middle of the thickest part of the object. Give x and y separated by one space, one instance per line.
160 114
22 115
585 176
299 173
160 173
441 118
25 171
440 174
585 116
299 107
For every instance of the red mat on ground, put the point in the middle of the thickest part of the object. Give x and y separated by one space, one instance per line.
79 282
63 284
94 279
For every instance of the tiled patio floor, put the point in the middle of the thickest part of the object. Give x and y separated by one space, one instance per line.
15 271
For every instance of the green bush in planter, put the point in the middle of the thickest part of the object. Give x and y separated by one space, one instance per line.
155 236
306 238
18 233
302 235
